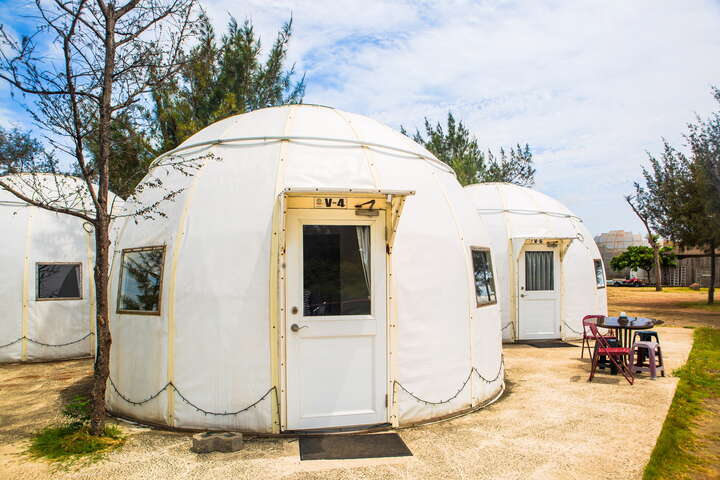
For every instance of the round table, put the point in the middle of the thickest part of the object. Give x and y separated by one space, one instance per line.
624 328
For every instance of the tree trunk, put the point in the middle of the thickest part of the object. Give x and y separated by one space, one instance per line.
658 267
102 230
102 328
711 288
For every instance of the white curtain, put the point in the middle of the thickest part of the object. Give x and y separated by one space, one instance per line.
363 237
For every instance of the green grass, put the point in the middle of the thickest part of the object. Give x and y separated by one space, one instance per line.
70 442
675 453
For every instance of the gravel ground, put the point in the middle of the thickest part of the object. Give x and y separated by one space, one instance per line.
550 424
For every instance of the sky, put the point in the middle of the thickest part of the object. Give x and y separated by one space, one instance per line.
592 86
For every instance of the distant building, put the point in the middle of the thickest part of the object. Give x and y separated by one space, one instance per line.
693 266
615 242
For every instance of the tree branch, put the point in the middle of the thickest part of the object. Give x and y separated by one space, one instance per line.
35 203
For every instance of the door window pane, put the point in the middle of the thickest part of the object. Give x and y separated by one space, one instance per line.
59 281
484 281
599 274
539 271
336 270
140 282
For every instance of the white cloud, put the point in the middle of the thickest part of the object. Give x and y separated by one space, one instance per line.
590 85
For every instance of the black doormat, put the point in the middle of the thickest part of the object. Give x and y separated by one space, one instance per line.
340 447
552 344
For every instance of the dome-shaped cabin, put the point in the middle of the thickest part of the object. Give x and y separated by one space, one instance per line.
318 271
551 270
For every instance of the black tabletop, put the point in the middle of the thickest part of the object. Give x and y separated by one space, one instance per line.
632 323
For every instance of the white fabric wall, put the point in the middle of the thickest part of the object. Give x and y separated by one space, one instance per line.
221 281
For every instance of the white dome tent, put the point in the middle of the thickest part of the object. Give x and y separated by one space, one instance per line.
316 274
46 271
551 270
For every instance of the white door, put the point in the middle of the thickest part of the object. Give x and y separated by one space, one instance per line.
335 321
539 293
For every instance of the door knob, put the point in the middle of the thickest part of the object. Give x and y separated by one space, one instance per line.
296 328
522 295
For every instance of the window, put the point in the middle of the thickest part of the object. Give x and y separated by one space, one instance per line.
336 270
59 281
141 280
539 271
599 274
483 276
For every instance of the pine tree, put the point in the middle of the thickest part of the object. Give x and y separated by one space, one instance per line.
456 146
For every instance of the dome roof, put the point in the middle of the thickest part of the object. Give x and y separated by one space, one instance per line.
511 197
306 123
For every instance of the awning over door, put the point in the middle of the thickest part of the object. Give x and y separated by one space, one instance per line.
551 241
364 202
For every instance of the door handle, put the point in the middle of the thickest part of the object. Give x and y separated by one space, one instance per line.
522 295
296 328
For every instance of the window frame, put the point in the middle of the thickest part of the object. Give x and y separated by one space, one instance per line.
472 263
157 313
51 299
598 287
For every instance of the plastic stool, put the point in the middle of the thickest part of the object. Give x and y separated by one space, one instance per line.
646 336
650 350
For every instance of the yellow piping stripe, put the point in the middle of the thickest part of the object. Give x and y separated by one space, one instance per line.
26 287
469 276
177 246
371 165
514 283
275 284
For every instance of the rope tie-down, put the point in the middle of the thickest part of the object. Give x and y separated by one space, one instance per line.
473 370
272 389
37 342
170 385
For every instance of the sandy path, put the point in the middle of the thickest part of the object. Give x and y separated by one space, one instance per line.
552 424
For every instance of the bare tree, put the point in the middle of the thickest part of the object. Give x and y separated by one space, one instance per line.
88 62
640 205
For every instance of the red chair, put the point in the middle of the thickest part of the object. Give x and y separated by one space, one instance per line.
616 355
588 335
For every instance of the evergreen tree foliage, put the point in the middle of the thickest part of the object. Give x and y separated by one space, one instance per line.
18 149
132 150
456 146
683 192
224 78
218 78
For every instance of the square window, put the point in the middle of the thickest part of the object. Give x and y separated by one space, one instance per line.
336 270
141 280
483 276
599 273
539 271
59 281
